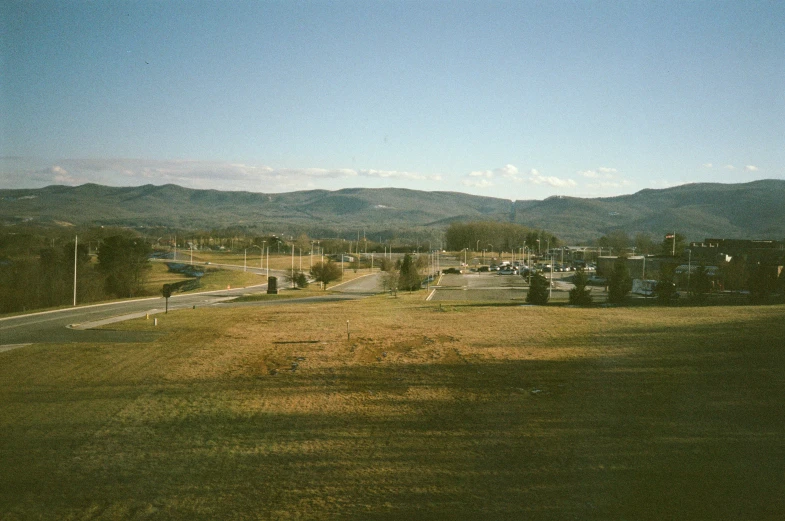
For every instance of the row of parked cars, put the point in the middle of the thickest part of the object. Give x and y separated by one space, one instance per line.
516 268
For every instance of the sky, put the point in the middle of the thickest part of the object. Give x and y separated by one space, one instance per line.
520 100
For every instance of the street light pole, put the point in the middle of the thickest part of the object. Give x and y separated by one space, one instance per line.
261 255
550 286
76 243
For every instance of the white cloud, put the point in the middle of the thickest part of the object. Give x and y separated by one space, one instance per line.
477 183
537 178
507 171
57 174
393 174
707 165
602 172
751 168
730 167
61 175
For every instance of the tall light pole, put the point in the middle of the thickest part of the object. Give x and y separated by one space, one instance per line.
76 243
550 286
261 254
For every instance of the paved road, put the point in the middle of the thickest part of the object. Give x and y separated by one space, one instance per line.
367 284
68 325
491 286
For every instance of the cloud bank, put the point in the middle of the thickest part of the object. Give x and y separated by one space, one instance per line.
213 175
507 174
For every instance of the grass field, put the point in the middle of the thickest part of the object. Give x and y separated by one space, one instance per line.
429 411
277 261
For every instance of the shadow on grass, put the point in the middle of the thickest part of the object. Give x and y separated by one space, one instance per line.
676 430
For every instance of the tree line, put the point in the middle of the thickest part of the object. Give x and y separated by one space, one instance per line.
47 279
497 236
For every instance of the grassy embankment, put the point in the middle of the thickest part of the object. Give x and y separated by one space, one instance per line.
429 412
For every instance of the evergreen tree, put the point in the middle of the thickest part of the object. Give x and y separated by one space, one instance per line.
579 295
124 261
666 289
734 273
701 285
538 290
409 278
620 282
762 283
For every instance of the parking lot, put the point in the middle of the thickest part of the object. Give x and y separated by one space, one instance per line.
490 286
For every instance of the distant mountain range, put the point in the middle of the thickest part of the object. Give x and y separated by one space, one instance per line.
749 210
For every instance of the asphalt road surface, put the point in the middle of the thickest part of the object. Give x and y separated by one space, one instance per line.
491 286
73 324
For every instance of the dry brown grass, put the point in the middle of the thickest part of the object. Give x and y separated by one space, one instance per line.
429 412
276 261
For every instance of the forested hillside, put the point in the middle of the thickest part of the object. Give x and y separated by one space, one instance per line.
751 210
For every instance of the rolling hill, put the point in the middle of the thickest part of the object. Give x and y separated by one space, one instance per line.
750 210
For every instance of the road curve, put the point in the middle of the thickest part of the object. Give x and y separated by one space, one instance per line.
74 324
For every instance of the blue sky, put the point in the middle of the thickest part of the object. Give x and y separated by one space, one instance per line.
520 100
